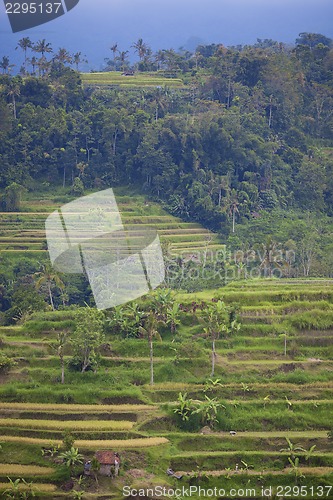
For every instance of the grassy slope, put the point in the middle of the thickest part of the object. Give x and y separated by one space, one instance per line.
138 80
250 365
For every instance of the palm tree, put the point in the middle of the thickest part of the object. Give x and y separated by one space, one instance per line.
13 92
78 60
159 101
233 208
24 44
33 61
271 257
63 56
141 48
43 65
42 47
160 58
5 66
47 277
123 59
114 49
149 331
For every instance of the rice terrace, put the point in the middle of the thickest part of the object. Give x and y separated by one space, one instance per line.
271 387
217 380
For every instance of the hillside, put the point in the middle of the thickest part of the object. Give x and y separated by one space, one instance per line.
273 376
268 395
222 374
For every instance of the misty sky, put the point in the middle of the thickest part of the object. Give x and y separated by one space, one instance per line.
94 25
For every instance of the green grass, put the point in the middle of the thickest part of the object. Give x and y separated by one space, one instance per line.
19 470
113 408
93 444
40 488
86 425
76 408
138 80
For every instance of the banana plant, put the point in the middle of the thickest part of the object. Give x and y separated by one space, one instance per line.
292 449
184 408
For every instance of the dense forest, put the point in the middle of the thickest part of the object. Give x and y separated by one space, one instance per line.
248 131
244 146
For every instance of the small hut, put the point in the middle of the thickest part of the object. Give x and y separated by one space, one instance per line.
109 461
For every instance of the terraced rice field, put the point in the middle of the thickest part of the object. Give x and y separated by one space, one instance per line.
116 78
273 378
25 231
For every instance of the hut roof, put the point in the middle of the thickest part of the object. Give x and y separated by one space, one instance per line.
106 457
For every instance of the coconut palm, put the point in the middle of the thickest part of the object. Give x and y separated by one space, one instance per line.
13 92
77 59
160 58
114 49
43 65
141 48
271 257
42 47
123 59
5 65
150 332
233 208
63 56
25 43
33 61
49 277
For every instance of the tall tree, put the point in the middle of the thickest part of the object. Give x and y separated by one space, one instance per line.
63 56
150 332
233 207
123 58
42 47
114 49
78 59
88 336
48 277
13 91
216 320
25 43
141 48
5 65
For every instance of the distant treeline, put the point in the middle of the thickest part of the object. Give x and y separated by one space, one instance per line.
251 130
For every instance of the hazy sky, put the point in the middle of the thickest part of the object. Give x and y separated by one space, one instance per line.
94 25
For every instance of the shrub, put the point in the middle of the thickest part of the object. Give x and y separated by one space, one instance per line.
5 363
